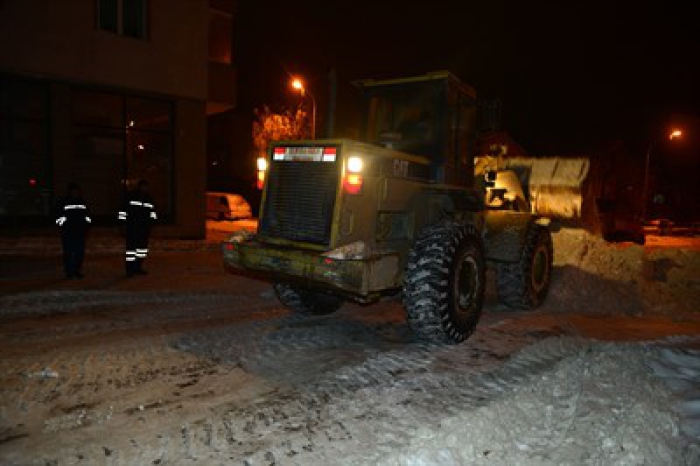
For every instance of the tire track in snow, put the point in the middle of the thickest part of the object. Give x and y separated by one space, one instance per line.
679 369
304 423
50 302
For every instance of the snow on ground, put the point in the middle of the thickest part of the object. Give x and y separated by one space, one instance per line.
190 365
111 240
250 224
601 405
682 242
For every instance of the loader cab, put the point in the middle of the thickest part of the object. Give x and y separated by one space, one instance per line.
432 115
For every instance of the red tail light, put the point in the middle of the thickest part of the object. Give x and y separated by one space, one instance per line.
352 183
261 179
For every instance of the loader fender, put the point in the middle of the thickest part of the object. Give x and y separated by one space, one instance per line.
505 234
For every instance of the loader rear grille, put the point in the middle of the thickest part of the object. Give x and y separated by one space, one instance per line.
299 201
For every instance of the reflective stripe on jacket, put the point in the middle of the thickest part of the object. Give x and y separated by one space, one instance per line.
138 209
72 214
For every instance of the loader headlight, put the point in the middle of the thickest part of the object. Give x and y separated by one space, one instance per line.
355 164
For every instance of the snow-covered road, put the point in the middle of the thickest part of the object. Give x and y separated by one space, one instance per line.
191 365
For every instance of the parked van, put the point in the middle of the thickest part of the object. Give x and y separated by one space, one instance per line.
227 206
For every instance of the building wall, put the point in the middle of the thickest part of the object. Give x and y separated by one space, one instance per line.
58 43
60 39
189 171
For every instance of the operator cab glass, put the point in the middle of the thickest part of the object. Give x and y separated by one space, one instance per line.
434 116
407 117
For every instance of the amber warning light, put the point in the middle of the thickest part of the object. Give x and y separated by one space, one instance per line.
262 168
260 182
352 183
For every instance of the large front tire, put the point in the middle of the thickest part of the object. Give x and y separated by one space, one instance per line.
444 283
523 285
304 301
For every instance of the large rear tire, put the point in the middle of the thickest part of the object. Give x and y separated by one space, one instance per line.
523 285
444 284
306 302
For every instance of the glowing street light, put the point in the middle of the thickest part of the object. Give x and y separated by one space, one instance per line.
674 134
298 85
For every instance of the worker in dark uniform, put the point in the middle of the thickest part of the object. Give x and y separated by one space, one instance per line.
138 213
73 218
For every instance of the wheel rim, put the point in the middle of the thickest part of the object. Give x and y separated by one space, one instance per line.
466 284
540 268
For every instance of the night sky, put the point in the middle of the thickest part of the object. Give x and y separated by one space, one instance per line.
570 74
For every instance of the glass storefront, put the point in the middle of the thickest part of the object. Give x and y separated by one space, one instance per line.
119 141
25 175
105 141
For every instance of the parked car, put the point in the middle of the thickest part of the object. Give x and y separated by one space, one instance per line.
227 206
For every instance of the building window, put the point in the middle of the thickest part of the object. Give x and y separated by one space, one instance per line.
120 140
25 175
220 36
124 17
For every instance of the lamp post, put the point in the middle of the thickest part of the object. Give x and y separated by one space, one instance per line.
298 85
675 134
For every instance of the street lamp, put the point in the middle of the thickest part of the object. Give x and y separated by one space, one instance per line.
298 85
674 134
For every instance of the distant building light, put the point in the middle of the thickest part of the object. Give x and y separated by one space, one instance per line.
141 147
131 124
32 182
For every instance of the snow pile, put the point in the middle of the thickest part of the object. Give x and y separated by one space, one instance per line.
599 406
594 276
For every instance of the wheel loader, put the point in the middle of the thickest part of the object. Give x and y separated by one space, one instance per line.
404 211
